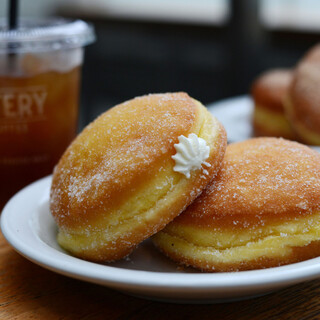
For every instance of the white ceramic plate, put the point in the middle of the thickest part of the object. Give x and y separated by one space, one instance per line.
235 114
28 226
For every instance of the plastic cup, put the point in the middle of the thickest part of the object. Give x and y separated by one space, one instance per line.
40 70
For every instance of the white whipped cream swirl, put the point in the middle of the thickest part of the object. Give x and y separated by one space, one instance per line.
191 154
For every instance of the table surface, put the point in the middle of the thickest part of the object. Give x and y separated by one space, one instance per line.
28 291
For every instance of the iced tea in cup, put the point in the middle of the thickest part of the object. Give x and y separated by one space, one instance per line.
40 69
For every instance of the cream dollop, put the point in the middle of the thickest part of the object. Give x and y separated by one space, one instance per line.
191 154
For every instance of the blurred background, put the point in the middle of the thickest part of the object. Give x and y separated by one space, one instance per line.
212 49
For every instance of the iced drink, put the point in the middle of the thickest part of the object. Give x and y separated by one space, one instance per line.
39 100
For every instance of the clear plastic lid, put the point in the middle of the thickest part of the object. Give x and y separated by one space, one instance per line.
40 35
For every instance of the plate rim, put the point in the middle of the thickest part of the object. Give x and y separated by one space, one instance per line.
246 98
128 278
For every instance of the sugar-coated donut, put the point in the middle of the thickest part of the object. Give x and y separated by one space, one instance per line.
262 210
131 171
303 99
268 92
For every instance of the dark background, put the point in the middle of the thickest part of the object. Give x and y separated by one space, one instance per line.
132 58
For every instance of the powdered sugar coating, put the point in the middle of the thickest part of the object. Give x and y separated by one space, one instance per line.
304 96
118 148
260 179
270 88
115 185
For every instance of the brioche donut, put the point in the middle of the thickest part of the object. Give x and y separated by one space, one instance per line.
303 99
126 176
268 92
262 210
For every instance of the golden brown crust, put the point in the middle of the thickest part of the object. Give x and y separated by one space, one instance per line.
115 185
269 89
302 102
264 202
120 149
260 178
305 97
312 55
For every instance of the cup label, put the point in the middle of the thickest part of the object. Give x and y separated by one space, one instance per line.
22 105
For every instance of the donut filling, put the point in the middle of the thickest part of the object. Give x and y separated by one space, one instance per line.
274 123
